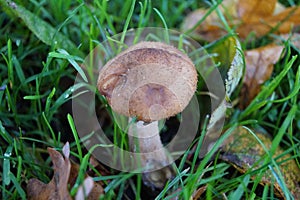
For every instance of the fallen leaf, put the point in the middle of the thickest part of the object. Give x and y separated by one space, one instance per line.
294 39
278 8
290 14
93 191
208 30
245 153
259 68
254 10
96 192
197 194
256 16
64 175
85 189
211 27
57 188
281 23
98 166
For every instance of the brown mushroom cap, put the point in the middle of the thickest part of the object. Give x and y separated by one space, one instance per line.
149 80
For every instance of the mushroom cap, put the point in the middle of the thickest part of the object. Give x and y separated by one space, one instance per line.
149 80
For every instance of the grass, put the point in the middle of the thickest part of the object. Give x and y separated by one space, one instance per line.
38 67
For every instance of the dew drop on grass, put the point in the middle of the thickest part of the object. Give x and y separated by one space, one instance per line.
18 42
7 154
66 95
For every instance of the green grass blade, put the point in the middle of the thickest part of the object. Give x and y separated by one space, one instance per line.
238 193
63 54
261 99
167 37
295 90
6 165
4 134
50 128
211 9
17 185
49 100
9 63
75 134
283 129
173 182
127 21
18 69
42 30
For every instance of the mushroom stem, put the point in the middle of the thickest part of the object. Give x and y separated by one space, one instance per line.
153 158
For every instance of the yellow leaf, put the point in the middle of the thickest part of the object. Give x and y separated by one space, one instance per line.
245 153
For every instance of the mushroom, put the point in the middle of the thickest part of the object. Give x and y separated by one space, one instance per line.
149 81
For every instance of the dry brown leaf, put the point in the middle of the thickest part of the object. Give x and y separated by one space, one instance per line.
99 167
278 8
294 38
281 23
93 191
211 28
85 189
197 194
254 10
259 68
65 173
290 15
255 16
245 153
57 188
96 192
